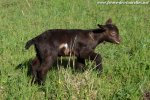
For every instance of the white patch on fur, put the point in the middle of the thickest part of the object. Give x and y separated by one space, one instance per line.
66 50
63 45
66 45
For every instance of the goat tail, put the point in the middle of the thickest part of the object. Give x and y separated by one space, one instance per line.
29 43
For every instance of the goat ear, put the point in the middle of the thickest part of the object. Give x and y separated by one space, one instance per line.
109 21
100 26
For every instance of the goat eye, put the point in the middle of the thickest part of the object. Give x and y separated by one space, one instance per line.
113 33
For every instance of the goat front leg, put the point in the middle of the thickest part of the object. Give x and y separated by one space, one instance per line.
87 53
98 60
80 63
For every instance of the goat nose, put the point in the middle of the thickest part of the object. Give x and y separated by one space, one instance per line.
117 42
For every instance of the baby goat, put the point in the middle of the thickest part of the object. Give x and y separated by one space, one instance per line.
70 42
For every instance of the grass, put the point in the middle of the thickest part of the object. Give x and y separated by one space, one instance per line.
126 74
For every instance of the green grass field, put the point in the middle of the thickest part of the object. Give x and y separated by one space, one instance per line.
126 73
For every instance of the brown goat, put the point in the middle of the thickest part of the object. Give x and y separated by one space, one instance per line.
70 42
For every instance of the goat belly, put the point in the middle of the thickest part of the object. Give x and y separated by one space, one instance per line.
64 52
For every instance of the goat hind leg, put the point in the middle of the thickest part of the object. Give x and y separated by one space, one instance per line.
34 66
43 69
